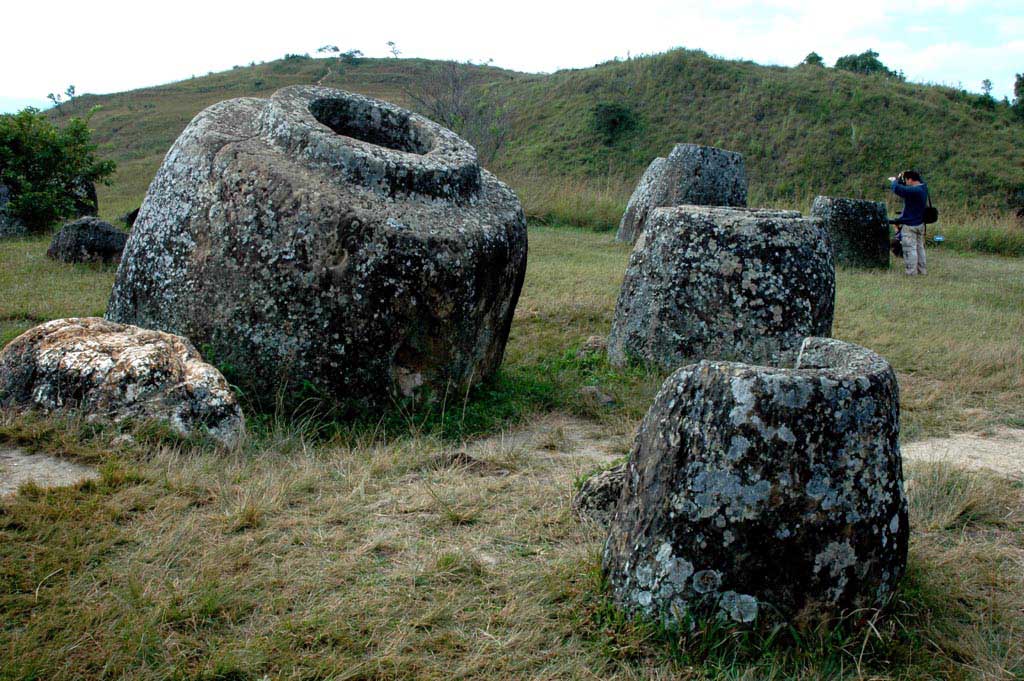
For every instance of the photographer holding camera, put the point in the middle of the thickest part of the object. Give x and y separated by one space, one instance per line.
910 227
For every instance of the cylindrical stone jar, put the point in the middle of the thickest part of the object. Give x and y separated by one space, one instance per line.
763 494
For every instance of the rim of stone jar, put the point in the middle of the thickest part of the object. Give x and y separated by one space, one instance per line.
448 169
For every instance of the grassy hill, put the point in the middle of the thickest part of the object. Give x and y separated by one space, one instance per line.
804 131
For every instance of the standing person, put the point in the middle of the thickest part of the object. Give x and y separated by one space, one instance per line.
914 192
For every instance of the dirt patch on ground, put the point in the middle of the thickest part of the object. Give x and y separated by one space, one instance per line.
18 467
1002 451
559 436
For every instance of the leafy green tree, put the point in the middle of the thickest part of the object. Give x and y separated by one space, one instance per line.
986 87
813 59
40 163
351 57
866 63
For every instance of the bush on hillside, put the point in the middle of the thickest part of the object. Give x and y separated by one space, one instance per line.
40 163
611 121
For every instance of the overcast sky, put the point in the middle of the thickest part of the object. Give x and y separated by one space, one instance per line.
110 46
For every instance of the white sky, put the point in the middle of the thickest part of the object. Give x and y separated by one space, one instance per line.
114 45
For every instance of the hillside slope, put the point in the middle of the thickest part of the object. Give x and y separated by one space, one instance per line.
803 131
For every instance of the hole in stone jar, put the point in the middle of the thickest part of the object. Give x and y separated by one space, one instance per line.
373 124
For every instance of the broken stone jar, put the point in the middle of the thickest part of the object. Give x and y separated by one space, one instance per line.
758 495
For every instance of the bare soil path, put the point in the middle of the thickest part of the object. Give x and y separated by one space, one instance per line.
1001 451
18 467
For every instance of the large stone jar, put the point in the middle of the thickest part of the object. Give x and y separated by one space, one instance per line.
326 239
763 494
858 230
723 283
690 175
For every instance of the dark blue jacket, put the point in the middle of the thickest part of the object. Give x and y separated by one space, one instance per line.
915 198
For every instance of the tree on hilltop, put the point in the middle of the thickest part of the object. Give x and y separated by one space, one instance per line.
866 63
813 59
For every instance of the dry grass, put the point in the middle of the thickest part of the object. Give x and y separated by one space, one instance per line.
366 559
594 203
364 556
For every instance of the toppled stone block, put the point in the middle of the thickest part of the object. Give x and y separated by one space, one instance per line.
723 283
599 494
762 494
327 239
113 372
858 230
87 239
691 175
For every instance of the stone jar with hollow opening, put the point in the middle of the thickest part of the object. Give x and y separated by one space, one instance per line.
327 243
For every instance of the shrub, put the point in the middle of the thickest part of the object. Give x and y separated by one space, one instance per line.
611 121
40 163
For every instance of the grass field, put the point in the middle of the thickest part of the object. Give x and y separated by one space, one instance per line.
378 553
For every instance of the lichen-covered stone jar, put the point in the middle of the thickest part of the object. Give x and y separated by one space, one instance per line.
691 175
858 230
324 239
737 284
760 494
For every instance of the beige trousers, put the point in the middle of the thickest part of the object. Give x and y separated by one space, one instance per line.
913 249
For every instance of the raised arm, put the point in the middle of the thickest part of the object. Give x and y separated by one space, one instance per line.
901 189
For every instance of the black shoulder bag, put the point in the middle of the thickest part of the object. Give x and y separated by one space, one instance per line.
931 213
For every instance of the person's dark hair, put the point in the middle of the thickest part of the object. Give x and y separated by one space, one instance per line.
912 175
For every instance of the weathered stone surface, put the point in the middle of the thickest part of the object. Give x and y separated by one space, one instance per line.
9 225
87 239
759 493
113 372
641 201
723 283
598 496
858 230
324 237
691 175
